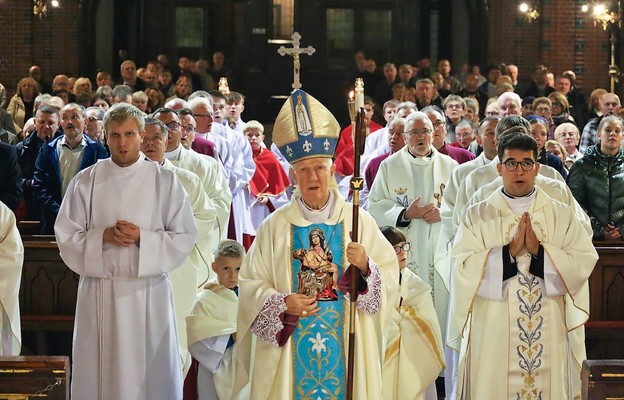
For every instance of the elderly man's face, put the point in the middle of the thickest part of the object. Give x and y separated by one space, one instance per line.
568 137
312 176
395 137
203 116
73 122
510 107
608 103
464 136
439 129
418 138
154 143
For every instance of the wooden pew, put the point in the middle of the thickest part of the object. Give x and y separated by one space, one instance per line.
26 377
47 298
604 332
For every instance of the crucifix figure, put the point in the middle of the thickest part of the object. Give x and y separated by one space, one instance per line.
294 52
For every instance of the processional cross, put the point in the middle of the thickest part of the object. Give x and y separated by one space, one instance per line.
294 52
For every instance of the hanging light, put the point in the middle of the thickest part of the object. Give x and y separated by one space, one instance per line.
530 12
40 7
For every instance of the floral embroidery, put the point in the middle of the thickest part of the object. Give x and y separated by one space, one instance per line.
268 324
318 343
530 334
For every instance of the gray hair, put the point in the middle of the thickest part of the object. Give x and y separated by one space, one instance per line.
512 124
158 123
99 110
411 119
201 94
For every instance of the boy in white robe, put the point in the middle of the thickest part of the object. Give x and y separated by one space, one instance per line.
211 326
124 224
520 292
11 261
414 356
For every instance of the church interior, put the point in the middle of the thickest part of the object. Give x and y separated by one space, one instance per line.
81 38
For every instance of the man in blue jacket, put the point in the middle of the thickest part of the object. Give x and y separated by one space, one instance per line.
61 159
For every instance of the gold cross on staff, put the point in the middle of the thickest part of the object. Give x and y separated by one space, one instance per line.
294 52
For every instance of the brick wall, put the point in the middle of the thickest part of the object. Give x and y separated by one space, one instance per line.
50 42
561 38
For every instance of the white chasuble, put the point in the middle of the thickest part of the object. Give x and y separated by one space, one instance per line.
268 271
400 180
523 340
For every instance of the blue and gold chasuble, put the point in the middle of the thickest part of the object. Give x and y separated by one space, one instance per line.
318 342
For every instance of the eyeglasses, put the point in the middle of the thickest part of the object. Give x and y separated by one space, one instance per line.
439 123
93 119
543 109
405 247
189 128
173 126
419 132
202 115
512 165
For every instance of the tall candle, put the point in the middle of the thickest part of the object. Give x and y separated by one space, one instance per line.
359 94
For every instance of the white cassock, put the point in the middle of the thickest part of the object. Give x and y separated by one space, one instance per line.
209 172
259 212
414 356
401 178
481 177
11 262
240 175
266 272
184 280
210 325
521 336
125 341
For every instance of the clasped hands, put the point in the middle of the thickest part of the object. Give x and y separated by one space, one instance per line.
525 239
123 234
611 232
428 213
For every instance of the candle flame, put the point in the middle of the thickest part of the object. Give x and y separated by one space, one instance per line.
351 95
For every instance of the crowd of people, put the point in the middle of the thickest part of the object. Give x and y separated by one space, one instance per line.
480 202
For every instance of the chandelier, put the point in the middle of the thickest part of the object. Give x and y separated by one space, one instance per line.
40 7
530 12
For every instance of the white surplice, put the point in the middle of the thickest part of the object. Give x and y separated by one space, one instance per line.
239 176
125 341
210 325
11 262
522 337
210 173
